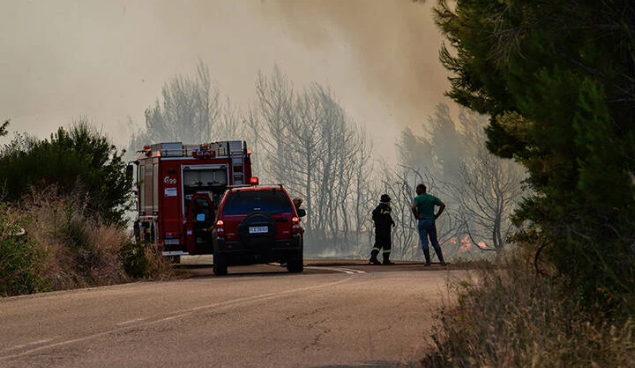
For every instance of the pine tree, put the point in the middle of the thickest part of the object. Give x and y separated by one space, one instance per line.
558 79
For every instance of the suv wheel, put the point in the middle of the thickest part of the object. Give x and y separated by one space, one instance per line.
295 263
220 265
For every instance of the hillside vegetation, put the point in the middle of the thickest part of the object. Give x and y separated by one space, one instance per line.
69 195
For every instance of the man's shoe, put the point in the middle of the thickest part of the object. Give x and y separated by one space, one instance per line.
427 264
388 262
374 261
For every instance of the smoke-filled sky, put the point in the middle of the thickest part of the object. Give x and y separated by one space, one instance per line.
107 60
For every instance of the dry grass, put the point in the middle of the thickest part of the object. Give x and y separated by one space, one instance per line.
507 316
79 250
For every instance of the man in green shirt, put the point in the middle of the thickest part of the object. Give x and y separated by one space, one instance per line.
423 210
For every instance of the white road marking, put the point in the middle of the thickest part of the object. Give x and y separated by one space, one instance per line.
130 321
338 269
43 341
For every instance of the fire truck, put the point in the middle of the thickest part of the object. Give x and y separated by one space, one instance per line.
178 187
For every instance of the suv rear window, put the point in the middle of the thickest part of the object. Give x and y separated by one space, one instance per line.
242 203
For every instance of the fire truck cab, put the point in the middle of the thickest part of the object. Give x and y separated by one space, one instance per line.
178 188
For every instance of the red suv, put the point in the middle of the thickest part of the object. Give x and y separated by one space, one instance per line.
257 224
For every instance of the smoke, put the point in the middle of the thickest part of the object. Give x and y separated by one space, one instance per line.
108 61
393 47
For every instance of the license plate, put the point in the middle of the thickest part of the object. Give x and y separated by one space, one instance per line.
258 229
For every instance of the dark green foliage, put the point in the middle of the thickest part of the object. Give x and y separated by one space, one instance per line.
558 79
75 160
19 261
134 260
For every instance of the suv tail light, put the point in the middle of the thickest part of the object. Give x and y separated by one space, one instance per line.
295 225
220 228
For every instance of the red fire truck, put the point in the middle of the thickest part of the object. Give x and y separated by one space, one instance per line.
178 188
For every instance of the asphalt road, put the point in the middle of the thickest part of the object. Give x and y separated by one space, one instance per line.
335 314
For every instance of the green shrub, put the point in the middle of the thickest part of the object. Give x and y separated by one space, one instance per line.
19 260
134 259
78 159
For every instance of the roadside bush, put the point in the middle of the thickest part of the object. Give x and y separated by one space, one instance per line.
135 261
68 248
81 250
507 316
145 261
20 259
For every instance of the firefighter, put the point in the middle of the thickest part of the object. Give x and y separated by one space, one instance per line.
297 202
383 226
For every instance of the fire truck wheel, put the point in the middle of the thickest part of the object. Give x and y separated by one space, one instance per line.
220 265
137 232
149 236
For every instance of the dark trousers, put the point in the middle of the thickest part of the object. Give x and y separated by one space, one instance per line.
428 229
382 240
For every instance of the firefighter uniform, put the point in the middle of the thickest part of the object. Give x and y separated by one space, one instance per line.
383 226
